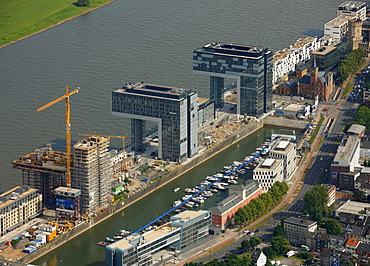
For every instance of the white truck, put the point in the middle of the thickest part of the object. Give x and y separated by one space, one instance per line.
290 253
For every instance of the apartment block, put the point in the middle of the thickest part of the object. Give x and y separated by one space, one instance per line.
18 206
91 173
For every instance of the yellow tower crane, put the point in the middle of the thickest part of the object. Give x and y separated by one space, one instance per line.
68 128
106 136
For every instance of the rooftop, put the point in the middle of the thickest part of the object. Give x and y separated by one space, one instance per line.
300 221
353 207
14 194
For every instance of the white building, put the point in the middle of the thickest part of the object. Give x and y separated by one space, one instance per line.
268 172
286 151
337 28
352 8
286 60
18 206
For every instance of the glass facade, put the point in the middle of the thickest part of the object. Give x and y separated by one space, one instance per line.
251 67
172 108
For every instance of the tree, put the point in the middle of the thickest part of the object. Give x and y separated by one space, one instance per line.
254 241
333 227
83 3
359 195
279 244
246 244
279 230
315 202
269 252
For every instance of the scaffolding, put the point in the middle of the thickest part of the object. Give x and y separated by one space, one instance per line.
92 172
45 170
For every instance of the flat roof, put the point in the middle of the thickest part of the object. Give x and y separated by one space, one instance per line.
268 162
234 50
345 152
187 215
353 207
13 194
340 20
282 145
351 5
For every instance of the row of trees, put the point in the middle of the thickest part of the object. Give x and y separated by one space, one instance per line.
261 204
362 117
350 63
279 247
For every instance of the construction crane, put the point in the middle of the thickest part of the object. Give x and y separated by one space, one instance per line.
106 136
68 128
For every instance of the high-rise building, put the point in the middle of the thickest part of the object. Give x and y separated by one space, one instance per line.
250 66
174 110
91 173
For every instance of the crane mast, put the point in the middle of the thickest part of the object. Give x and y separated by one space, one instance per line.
68 129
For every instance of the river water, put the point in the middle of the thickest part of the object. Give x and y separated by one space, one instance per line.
127 41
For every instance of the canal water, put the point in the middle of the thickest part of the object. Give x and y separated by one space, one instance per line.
83 249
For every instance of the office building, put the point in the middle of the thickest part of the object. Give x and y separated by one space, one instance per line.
91 173
285 151
67 201
268 172
297 229
250 66
183 230
18 206
223 213
174 110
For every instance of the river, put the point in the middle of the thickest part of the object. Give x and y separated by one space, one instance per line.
127 41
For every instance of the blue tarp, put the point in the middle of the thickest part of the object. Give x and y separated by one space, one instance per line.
144 179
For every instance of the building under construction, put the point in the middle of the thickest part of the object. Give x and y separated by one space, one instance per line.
45 170
91 173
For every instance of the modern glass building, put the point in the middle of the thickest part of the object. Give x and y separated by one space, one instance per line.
250 66
174 110
183 230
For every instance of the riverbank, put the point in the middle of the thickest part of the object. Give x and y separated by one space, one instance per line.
23 21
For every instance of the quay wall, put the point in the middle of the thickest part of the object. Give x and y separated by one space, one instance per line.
165 177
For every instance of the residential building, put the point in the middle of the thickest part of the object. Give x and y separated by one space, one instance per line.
296 229
223 213
18 206
355 232
183 230
317 241
250 66
352 8
337 28
331 193
174 110
286 151
92 172
330 54
206 111
330 257
287 60
258 258
336 242
351 245
268 172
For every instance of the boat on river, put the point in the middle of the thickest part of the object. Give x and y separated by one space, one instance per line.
176 189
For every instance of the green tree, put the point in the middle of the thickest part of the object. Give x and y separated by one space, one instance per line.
245 244
279 230
359 195
315 202
333 227
83 2
280 244
269 252
254 241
